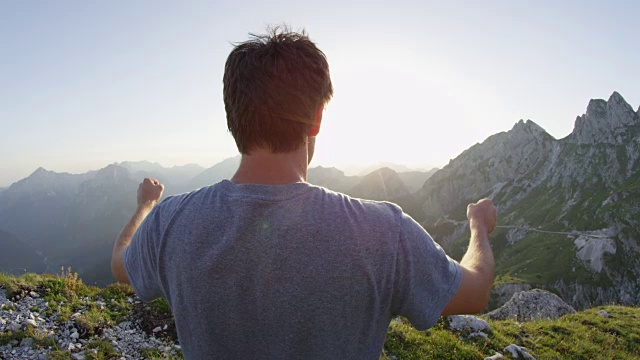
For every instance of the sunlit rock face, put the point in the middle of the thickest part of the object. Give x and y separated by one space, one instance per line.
604 122
567 208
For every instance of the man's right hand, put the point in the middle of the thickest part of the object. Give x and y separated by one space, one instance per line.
149 193
482 216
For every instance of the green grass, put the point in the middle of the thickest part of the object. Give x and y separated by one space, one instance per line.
103 350
540 259
584 335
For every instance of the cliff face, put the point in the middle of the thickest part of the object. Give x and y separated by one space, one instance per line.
567 208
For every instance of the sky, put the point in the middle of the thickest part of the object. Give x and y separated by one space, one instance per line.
84 84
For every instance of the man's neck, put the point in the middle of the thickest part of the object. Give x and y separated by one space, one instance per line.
267 168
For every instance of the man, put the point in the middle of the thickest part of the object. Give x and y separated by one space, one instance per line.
268 266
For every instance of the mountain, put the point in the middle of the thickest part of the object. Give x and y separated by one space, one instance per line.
385 164
331 178
372 185
50 219
414 180
53 219
220 171
70 220
176 179
382 184
17 257
32 207
567 208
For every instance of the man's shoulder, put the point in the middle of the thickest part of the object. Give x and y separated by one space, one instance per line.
366 207
174 202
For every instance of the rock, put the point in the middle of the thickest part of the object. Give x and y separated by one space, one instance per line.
494 356
74 336
469 323
157 329
518 352
34 294
478 334
14 327
31 322
604 313
27 342
78 356
532 305
502 293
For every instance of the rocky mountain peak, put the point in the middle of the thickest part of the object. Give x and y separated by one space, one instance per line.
604 121
528 127
40 172
113 173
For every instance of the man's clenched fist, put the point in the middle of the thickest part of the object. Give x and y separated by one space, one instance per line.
149 193
482 215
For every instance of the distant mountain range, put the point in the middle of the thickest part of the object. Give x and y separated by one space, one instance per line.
568 208
50 219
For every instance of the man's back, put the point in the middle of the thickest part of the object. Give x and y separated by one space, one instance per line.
289 271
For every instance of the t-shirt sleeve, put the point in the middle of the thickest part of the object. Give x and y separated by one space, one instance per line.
141 258
426 278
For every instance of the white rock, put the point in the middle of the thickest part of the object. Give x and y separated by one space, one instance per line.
604 313
155 330
34 294
478 334
518 351
75 336
14 327
495 356
31 322
468 322
532 305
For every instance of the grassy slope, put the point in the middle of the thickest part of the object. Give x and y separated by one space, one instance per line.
584 335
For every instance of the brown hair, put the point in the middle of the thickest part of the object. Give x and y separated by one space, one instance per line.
273 85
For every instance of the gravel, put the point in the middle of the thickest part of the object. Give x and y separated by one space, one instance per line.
127 337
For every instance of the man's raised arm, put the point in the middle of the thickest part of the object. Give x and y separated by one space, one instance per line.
478 265
149 192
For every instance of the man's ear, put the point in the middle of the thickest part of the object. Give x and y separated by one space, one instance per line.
317 119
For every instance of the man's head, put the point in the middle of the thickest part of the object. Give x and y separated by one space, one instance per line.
275 87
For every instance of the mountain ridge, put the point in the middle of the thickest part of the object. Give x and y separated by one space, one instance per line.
565 205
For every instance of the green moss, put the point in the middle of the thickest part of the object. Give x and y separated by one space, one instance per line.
103 350
93 320
161 305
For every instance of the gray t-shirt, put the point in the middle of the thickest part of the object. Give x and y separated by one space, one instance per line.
288 271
